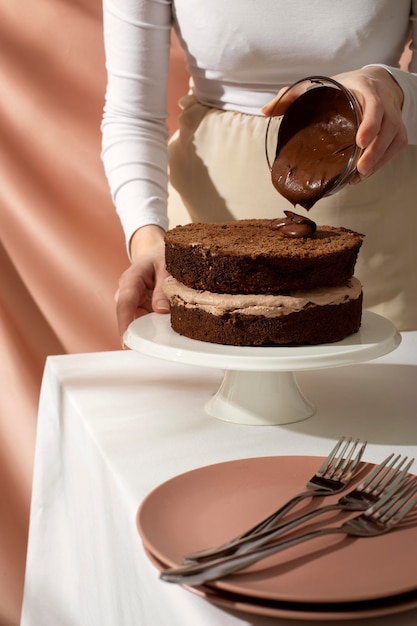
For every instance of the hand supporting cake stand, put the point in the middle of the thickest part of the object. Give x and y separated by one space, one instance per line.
259 385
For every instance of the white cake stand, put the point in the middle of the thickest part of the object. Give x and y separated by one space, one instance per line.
259 385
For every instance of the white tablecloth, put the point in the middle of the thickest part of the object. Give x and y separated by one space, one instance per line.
112 426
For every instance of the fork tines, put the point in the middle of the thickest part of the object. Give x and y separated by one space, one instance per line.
341 457
395 504
385 475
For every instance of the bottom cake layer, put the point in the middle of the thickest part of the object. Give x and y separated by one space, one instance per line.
311 321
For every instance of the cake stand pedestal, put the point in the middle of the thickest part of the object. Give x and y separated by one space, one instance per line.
259 385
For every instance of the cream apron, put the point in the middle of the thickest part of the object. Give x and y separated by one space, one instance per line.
219 172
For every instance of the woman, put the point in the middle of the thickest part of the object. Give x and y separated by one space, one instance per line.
239 56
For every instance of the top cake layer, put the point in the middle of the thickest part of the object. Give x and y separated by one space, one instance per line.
249 256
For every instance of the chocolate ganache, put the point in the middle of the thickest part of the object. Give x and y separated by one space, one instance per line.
316 141
294 225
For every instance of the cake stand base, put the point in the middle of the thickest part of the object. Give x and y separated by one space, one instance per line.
259 398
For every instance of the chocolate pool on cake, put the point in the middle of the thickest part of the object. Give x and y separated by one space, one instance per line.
261 282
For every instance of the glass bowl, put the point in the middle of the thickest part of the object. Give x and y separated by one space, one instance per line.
313 142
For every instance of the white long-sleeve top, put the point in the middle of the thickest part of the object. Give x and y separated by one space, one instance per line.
239 53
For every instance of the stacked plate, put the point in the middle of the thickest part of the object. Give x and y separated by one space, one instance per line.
329 578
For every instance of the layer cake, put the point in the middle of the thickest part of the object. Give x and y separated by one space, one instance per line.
257 282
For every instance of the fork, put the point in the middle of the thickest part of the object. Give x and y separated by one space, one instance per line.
378 519
390 474
333 476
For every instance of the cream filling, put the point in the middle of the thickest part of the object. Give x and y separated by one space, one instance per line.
259 304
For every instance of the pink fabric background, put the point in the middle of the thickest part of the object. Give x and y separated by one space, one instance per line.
61 246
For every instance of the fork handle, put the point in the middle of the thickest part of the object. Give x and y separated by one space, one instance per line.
248 543
200 573
263 525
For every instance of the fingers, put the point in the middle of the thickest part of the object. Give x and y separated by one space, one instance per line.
379 152
131 301
136 295
160 303
140 286
382 133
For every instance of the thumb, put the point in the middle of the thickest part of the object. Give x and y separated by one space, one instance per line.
272 108
268 108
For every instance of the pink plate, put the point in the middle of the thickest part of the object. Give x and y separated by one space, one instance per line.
209 505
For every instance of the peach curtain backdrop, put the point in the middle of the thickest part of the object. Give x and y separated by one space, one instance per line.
61 246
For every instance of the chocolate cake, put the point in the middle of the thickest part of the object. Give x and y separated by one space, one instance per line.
257 282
